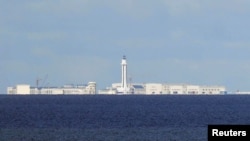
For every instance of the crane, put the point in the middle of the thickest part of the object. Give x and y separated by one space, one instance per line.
38 80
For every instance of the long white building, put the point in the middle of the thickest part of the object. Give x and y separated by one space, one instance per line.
157 88
89 88
162 88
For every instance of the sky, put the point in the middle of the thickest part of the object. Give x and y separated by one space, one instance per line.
200 42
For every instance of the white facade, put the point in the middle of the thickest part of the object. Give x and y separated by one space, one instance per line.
19 89
67 89
91 88
180 89
153 88
192 89
161 88
176 89
212 90
108 91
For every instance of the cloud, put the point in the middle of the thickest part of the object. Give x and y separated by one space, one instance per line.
50 35
60 6
140 43
236 45
176 7
138 10
199 7
42 52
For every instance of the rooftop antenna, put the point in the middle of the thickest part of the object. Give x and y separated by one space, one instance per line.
130 80
38 81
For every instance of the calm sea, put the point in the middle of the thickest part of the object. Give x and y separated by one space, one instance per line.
118 117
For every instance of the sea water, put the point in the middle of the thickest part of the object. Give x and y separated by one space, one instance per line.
118 117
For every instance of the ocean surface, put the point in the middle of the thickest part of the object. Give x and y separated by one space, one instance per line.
118 117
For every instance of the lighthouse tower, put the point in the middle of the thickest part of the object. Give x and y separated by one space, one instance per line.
124 86
124 72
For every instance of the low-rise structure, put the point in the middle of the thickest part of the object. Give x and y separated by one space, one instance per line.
89 88
157 88
162 88
108 90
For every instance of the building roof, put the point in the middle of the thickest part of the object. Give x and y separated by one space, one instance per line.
138 86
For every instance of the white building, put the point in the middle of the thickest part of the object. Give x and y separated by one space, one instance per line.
157 88
19 89
90 88
212 90
108 90
162 88
153 88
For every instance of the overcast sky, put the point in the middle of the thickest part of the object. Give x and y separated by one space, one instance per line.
201 42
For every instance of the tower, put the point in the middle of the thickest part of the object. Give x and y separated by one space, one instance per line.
124 72
124 86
